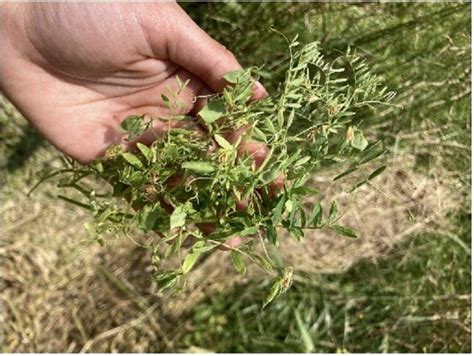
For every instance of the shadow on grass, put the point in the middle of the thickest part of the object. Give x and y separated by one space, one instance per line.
19 152
416 301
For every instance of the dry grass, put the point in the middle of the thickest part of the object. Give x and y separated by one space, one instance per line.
58 293
61 293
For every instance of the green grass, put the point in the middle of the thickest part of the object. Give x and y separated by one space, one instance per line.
418 298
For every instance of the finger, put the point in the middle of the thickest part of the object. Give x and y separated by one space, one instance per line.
231 243
208 229
277 186
196 51
200 100
259 91
177 94
234 136
257 150
158 129
190 47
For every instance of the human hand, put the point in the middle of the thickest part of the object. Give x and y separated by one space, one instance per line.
76 70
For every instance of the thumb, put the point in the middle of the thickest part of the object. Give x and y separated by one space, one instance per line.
193 49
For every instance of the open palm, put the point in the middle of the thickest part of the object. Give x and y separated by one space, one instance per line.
76 70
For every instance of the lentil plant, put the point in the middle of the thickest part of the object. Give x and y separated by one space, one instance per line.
178 185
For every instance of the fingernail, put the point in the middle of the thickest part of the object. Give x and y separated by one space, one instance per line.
259 90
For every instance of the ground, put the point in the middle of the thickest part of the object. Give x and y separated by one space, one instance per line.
404 285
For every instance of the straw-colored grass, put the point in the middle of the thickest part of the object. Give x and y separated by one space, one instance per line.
62 292
404 285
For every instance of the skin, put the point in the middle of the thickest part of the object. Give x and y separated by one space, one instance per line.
77 70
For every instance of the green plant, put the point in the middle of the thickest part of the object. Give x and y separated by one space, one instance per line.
177 184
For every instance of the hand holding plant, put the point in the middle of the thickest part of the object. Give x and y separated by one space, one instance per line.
181 183
76 70
120 94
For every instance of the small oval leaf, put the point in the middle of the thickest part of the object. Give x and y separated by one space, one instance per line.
212 111
237 262
198 166
223 142
189 261
178 217
133 160
344 231
274 291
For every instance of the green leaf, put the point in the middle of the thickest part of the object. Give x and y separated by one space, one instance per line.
292 217
178 217
278 210
249 231
302 215
190 260
274 292
174 247
149 216
304 191
289 206
237 262
201 247
269 125
332 213
245 94
263 262
358 185
286 279
371 176
344 231
113 151
345 173
98 166
166 100
305 335
146 151
301 161
223 142
296 232
359 141
270 174
316 215
212 111
236 76
133 160
271 234
199 166
134 126
259 135
375 150
376 172
118 189
166 279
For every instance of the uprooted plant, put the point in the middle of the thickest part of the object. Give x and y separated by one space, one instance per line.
178 184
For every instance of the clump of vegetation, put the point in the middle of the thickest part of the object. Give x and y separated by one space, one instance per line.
190 181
